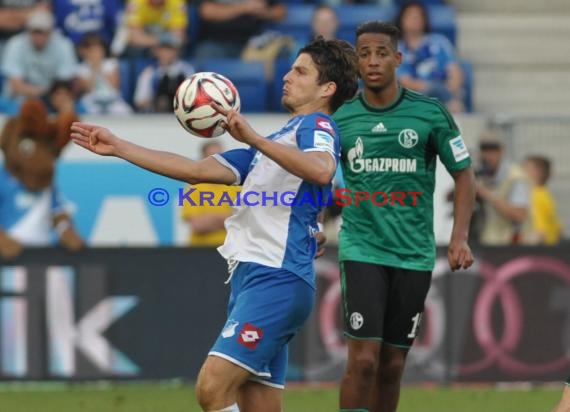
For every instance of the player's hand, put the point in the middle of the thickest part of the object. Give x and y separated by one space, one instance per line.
459 255
94 138
236 125
9 248
321 240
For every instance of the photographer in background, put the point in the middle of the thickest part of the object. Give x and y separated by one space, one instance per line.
504 191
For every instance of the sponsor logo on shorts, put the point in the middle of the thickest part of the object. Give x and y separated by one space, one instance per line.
356 320
230 328
250 336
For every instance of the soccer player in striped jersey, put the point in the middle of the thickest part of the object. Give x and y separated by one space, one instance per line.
390 139
269 249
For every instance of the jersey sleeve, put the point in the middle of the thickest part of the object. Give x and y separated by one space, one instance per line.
239 161
319 133
448 142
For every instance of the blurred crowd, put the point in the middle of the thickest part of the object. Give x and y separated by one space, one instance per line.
69 53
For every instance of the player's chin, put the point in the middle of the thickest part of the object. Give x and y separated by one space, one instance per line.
286 103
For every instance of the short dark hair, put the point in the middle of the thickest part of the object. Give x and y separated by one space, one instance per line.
336 62
544 167
381 27
93 39
405 7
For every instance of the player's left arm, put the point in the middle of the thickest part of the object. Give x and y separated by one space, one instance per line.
459 253
313 166
454 155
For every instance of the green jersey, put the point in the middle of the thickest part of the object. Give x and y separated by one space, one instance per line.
390 155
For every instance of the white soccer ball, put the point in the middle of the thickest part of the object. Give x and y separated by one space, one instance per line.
192 103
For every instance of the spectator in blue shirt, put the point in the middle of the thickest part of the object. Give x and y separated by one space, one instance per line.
75 19
35 59
429 64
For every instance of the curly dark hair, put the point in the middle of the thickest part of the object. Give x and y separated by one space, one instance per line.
336 62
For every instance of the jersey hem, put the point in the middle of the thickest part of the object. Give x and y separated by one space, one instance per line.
396 264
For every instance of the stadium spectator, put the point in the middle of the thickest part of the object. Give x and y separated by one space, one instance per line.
505 192
61 98
35 59
147 20
324 23
75 18
564 404
99 78
157 83
545 219
227 26
391 138
13 17
429 64
207 220
270 250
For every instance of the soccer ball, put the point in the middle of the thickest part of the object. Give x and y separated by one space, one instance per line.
192 103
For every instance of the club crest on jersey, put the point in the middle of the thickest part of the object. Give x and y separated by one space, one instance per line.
408 138
250 336
324 124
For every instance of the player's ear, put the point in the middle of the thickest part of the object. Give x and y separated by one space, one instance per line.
398 58
328 89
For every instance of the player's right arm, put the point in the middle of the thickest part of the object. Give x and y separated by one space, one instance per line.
101 141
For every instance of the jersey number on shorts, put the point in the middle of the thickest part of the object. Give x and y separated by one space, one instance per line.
416 323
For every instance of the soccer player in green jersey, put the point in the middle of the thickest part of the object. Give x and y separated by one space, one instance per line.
390 139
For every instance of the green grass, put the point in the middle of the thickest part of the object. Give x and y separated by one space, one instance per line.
180 398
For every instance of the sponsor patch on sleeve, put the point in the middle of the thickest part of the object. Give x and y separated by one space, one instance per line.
323 141
324 124
459 149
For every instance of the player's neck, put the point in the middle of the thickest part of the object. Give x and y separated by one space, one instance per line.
382 97
311 108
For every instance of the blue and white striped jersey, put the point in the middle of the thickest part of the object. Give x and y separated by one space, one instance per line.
279 234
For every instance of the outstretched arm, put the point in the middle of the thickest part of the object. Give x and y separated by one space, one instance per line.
459 254
101 141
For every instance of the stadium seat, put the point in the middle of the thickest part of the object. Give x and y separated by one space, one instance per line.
443 20
468 84
297 24
350 16
248 77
